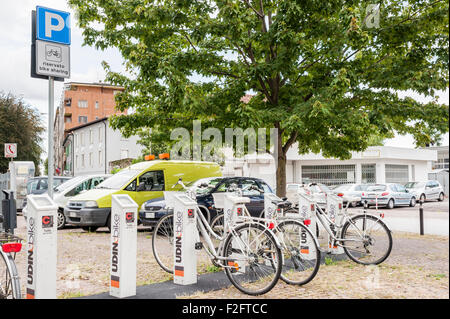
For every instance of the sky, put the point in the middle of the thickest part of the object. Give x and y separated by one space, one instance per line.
15 47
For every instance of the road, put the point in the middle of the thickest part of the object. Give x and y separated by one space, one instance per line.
406 219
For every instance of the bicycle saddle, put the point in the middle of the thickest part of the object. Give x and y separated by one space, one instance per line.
282 204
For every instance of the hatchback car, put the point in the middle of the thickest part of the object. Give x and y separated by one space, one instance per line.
389 195
152 210
39 185
426 190
350 190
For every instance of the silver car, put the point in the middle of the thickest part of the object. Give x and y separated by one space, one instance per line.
350 191
388 195
430 190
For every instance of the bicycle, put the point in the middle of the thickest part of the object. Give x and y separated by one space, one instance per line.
249 253
9 277
300 248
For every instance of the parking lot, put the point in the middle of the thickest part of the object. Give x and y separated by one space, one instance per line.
416 268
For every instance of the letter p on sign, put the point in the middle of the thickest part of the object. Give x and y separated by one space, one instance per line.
52 25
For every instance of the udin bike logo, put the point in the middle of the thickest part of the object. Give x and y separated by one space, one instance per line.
129 217
30 259
179 270
47 221
115 251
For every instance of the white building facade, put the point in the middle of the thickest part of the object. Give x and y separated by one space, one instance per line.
95 144
378 164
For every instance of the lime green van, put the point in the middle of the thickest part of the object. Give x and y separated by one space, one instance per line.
142 181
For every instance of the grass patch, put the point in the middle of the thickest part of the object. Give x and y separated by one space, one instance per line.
437 276
330 261
70 294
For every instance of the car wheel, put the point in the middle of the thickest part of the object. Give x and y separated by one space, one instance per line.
422 198
412 203
390 204
61 220
441 197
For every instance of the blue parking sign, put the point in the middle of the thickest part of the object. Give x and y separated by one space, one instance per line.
52 25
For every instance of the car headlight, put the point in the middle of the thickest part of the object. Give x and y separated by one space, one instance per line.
90 204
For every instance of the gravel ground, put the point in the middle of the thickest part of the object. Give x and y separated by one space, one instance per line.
416 268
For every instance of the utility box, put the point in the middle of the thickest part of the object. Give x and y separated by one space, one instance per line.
9 212
41 247
334 212
184 232
123 246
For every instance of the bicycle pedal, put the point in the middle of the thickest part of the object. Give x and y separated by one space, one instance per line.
198 246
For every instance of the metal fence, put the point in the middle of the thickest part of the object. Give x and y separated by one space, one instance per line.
397 173
329 174
368 173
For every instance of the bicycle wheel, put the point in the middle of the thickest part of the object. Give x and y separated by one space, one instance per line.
253 264
370 240
162 243
7 289
301 254
217 224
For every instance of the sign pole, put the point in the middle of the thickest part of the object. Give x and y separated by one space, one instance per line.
51 89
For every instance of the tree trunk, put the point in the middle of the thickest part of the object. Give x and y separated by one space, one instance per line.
281 167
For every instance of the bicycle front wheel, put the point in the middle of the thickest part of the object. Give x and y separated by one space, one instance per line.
301 254
162 243
366 240
8 288
253 259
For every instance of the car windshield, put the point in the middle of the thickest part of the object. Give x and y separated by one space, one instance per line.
414 185
119 179
211 181
343 187
376 188
69 183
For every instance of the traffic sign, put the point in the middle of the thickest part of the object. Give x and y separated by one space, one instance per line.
52 59
52 25
10 150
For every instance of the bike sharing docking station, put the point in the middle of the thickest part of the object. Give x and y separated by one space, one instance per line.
270 208
184 230
41 247
334 212
307 207
233 207
123 246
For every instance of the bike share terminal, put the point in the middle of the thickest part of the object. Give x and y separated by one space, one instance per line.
123 246
41 247
184 232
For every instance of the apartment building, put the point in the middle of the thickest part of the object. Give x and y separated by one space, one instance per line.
81 103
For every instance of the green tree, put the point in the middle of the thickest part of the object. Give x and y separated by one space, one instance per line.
326 74
21 124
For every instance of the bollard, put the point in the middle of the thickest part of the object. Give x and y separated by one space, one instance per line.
185 229
421 217
123 246
41 247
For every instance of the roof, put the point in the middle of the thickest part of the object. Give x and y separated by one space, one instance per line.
87 124
102 85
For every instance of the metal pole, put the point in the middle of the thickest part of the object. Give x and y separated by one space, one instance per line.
421 217
51 89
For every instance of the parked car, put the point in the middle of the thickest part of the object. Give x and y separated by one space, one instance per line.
426 190
316 190
152 210
70 188
39 185
350 190
141 181
389 195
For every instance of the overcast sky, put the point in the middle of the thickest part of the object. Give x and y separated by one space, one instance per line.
15 46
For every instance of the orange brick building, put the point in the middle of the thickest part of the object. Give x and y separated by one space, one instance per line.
81 103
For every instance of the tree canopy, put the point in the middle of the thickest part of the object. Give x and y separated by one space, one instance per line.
327 74
21 124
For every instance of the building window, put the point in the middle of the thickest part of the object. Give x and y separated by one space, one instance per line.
328 174
82 104
68 102
397 173
441 163
96 104
82 139
100 158
82 160
91 162
68 119
368 173
91 137
100 135
76 161
82 119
